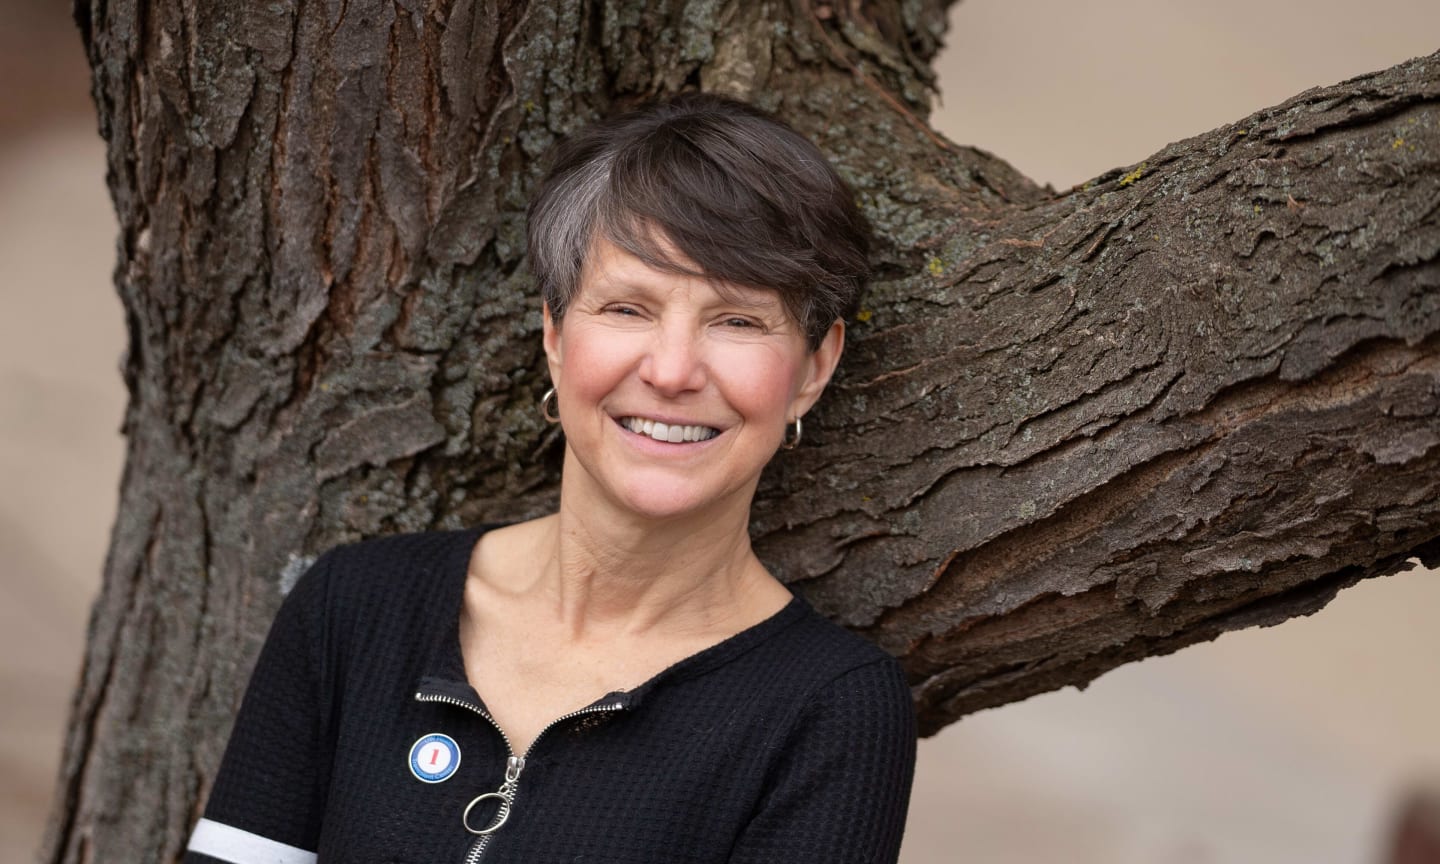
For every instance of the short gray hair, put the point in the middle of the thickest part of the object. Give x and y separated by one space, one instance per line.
746 199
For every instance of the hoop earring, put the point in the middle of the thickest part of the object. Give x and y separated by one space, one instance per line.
551 415
789 443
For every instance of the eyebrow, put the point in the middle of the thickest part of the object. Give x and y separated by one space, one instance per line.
730 295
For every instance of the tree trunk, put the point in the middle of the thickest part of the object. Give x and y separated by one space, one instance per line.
1073 429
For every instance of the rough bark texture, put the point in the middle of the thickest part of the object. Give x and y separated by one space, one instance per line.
1072 430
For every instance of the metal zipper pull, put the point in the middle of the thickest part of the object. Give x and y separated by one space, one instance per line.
506 793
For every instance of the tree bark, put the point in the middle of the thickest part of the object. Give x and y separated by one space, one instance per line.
1072 429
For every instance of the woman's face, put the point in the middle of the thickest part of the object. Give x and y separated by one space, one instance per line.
673 396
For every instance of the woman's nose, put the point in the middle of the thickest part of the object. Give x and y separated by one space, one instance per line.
674 362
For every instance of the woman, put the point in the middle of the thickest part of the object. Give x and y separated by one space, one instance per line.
622 680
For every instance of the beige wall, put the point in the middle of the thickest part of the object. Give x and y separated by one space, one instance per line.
1282 745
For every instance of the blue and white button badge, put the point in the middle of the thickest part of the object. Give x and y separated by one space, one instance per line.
434 757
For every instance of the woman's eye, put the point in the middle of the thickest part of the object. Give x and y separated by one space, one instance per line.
739 322
626 311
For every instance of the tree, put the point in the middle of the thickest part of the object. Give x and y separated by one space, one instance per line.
1073 429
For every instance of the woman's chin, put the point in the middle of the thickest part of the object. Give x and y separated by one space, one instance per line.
663 508
660 501
660 490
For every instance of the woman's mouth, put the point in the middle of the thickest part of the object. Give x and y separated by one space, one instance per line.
673 433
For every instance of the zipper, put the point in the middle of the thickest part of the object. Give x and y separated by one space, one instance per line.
513 766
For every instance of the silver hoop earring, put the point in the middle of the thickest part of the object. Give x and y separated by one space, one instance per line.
551 415
790 443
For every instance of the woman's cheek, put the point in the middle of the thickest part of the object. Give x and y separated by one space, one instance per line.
764 381
596 355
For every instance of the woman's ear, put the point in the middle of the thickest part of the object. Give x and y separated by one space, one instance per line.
551 340
819 367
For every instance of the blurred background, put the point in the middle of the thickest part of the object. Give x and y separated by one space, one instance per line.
1298 743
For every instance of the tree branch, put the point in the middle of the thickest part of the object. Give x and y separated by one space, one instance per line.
1128 418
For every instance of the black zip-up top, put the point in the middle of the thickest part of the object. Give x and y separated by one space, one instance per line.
360 740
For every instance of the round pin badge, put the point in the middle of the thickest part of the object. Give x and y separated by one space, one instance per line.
434 757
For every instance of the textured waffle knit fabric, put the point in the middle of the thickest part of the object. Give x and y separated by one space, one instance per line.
360 740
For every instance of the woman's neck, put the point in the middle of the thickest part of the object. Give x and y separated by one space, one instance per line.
610 572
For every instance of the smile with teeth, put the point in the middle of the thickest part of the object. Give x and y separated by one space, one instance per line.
674 434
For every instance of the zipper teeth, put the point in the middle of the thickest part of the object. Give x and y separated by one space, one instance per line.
510 748
592 709
451 700
477 851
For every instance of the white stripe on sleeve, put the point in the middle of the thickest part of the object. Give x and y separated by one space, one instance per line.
222 841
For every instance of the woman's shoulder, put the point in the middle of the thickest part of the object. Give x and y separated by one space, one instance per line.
810 656
827 691
378 570
419 549
833 645
396 556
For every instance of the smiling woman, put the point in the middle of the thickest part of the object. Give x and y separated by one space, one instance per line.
623 680
674 392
